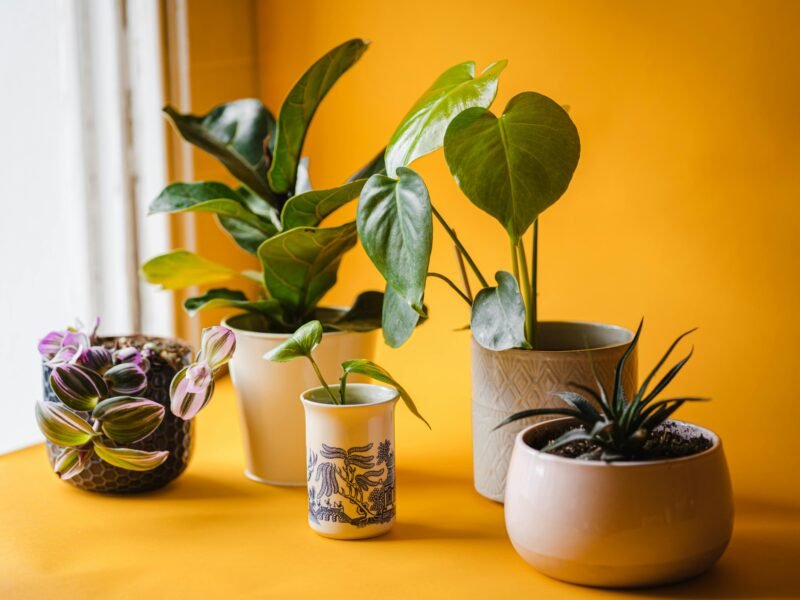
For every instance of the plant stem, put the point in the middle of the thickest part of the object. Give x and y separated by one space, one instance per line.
534 316
526 293
460 246
463 270
515 261
322 381
449 282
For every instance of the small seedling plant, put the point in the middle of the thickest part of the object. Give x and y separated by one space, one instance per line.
302 344
616 426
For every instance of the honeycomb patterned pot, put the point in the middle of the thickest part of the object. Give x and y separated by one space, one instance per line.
174 434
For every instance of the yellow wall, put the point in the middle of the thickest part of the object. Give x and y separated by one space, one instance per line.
683 208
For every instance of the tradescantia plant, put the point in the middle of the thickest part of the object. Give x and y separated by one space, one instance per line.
100 409
273 214
512 166
616 426
302 344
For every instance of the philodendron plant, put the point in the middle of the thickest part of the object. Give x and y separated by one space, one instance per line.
274 213
101 410
512 167
624 424
302 344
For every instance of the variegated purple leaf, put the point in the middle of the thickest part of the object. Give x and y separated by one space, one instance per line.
183 402
132 355
127 419
64 355
130 459
61 426
50 344
199 375
126 379
71 462
78 339
96 358
217 346
77 387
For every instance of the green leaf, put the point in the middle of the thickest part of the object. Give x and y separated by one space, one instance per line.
369 369
310 208
300 265
498 315
422 130
398 318
376 165
257 205
539 412
247 237
299 107
61 426
130 459
576 401
226 298
71 462
180 268
127 419
363 315
573 435
234 133
301 343
515 166
303 184
396 229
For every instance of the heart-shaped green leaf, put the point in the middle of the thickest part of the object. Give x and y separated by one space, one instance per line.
310 208
515 166
301 343
300 265
234 133
61 426
180 268
498 315
226 298
422 129
398 318
130 459
127 419
210 197
396 229
299 107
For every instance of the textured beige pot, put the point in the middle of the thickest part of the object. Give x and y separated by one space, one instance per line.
350 449
507 382
617 524
271 415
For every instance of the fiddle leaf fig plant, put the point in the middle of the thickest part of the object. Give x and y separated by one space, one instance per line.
513 167
273 213
99 410
302 343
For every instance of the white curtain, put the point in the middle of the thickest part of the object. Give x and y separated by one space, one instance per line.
82 155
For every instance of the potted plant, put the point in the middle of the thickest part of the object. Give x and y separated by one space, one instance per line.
349 442
512 167
104 413
276 216
615 494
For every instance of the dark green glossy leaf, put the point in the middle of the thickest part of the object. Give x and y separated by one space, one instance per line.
515 166
363 315
422 129
310 208
498 315
246 236
234 133
257 205
301 343
300 265
130 459
396 229
370 369
299 107
539 412
398 318
373 167
226 298
180 268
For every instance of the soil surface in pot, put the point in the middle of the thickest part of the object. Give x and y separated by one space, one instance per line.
668 440
169 350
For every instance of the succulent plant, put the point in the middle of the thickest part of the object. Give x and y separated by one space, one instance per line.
99 408
617 426
302 344
274 214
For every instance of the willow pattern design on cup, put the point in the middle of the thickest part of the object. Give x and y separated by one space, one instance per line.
351 486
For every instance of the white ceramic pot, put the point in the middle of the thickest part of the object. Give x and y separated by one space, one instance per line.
271 416
504 383
350 449
617 524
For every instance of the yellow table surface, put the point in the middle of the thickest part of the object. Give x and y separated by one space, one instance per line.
213 533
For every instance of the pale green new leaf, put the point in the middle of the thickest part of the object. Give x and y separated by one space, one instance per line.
130 459
180 268
301 343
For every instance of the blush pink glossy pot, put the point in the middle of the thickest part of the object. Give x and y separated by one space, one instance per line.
617 524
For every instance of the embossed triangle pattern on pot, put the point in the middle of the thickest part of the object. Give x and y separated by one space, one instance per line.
504 383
